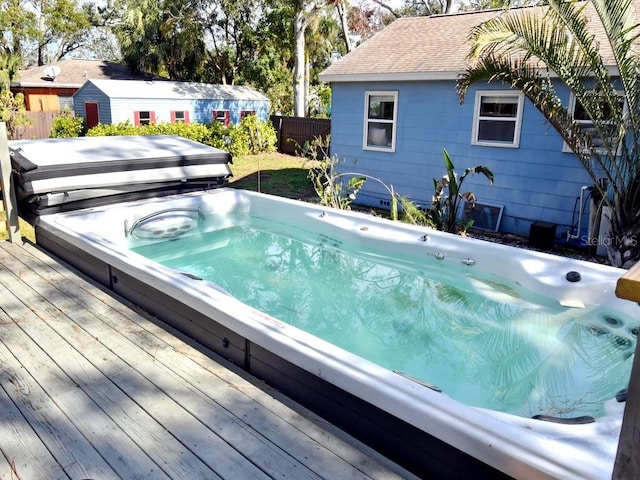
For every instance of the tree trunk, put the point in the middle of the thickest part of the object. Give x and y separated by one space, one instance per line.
299 27
341 7
41 28
307 83
623 242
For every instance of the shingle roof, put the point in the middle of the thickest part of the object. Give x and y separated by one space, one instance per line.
177 90
426 48
74 72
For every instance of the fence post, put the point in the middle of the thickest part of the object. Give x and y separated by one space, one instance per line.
8 195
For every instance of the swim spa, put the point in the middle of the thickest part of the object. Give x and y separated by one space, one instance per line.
437 421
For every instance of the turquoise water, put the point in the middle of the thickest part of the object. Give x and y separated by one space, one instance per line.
482 341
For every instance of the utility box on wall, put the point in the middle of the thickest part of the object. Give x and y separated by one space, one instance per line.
542 235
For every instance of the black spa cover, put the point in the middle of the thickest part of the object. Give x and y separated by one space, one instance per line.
74 172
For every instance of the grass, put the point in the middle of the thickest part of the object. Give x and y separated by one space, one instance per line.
26 230
273 173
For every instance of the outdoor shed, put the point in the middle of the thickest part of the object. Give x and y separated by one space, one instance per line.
395 108
144 102
50 87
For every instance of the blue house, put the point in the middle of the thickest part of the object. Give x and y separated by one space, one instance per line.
395 108
144 102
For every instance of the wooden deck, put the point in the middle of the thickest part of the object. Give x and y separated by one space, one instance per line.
92 389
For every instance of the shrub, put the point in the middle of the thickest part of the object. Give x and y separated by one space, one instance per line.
108 130
67 126
252 136
261 135
448 199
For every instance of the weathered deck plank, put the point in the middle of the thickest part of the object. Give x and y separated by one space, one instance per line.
144 402
22 449
91 401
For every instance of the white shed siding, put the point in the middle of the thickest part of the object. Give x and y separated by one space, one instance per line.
118 100
122 109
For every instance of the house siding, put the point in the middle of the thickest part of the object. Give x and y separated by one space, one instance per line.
118 110
535 181
122 109
90 93
204 109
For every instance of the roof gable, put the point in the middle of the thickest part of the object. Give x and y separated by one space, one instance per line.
175 90
427 48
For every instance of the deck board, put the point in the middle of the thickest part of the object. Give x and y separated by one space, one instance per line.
92 388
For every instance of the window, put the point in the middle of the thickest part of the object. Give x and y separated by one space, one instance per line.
221 116
497 119
244 113
180 116
586 125
380 121
144 118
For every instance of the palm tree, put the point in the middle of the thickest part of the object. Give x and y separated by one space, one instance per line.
526 47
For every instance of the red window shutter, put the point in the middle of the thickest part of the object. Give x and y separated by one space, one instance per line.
136 118
152 117
226 118
186 116
173 117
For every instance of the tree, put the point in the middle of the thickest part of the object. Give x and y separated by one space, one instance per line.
45 30
63 26
522 47
12 108
417 8
273 64
164 38
342 9
474 5
232 40
303 12
18 25
367 17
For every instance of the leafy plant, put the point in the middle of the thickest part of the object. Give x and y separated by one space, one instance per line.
110 130
329 185
67 126
411 213
507 48
13 112
252 136
447 199
261 135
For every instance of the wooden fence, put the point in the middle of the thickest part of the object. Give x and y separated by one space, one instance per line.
294 132
39 127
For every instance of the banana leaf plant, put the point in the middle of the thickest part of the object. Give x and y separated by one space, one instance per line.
448 200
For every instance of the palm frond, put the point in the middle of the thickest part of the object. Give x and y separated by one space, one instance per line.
618 20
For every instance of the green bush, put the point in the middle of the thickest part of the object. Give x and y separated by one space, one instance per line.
261 135
67 126
108 130
252 136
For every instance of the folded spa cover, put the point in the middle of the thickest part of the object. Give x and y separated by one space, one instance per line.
63 171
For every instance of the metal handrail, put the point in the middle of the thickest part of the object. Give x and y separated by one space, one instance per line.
129 231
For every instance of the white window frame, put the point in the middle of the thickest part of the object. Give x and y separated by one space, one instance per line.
572 110
477 118
370 121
